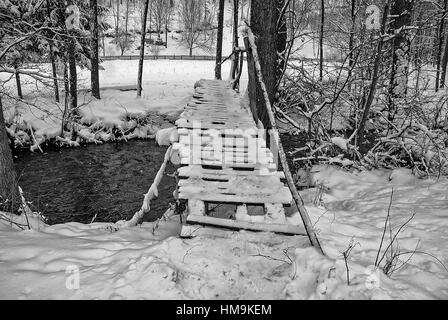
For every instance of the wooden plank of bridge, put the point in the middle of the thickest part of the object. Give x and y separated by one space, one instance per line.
225 160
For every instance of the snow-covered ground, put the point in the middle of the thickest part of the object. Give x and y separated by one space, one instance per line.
154 263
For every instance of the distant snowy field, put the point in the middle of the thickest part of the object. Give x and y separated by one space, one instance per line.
151 262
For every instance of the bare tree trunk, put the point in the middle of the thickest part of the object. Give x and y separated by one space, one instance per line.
94 74
142 50
8 182
118 19
126 23
71 50
321 40
444 62
351 55
219 40
52 60
401 12
73 75
166 31
440 44
18 83
54 73
263 22
150 20
235 63
374 77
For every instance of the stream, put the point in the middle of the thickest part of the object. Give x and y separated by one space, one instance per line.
107 181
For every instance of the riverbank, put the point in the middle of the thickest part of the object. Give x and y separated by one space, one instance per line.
167 88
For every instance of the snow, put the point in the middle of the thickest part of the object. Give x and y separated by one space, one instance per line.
340 142
153 262
166 137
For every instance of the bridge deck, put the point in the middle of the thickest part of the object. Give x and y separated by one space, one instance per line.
225 161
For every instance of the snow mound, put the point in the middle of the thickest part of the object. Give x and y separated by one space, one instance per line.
340 142
403 176
166 137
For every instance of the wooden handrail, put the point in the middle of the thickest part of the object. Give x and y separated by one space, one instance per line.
256 73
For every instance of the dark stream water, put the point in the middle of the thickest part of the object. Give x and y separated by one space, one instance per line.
74 185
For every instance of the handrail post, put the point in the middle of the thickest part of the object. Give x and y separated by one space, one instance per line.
251 86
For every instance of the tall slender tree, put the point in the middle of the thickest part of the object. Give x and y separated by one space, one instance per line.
94 71
52 54
71 53
219 40
321 40
235 61
444 63
142 49
118 20
440 39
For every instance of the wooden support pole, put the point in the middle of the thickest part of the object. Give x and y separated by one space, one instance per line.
289 178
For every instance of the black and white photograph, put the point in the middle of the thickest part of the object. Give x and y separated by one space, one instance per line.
223 150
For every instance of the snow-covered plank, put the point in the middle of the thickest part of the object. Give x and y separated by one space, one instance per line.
199 172
246 225
228 164
249 189
222 133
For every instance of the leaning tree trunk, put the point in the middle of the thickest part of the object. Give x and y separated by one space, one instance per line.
263 23
8 182
94 74
142 50
219 40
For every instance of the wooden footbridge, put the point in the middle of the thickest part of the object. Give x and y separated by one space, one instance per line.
225 162
228 175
